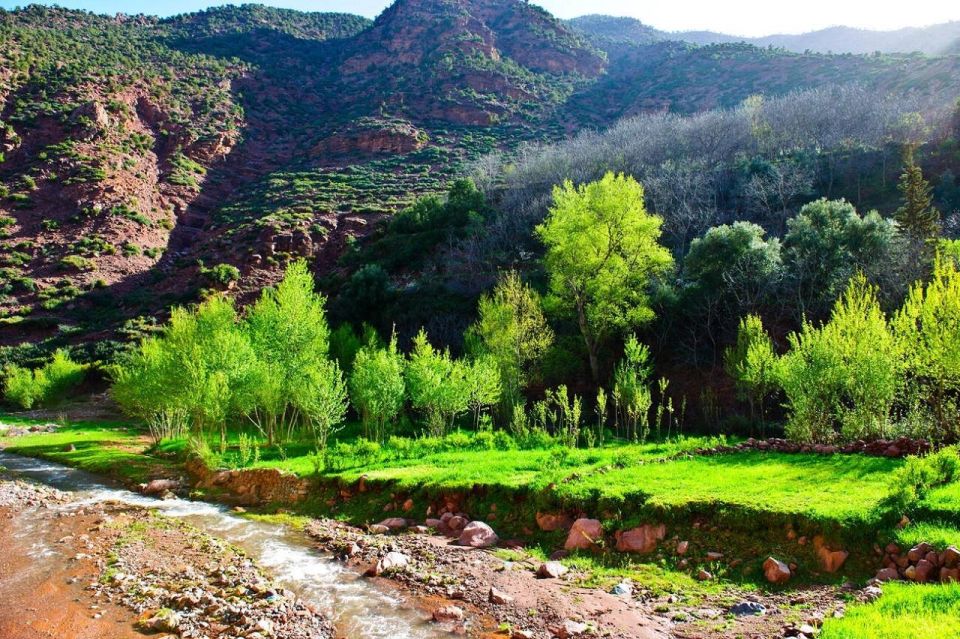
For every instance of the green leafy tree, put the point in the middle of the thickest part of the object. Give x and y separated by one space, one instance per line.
484 386
631 390
752 363
289 333
840 379
918 218
512 328
927 328
377 387
602 252
826 244
322 400
436 384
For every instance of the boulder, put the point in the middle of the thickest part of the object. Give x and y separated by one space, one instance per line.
950 557
949 574
683 547
160 486
776 571
551 570
477 534
745 608
714 556
550 522
641 540
521 634
569 628
830 560
704 575
377 529
871 593
498 597
394 523
433 523
162 620
584 535
887 574
456 523
390 562
923 572
918 552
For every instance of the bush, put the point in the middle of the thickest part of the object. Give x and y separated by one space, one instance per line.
840 379
912 481
44 386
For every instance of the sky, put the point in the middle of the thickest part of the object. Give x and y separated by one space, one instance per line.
736 17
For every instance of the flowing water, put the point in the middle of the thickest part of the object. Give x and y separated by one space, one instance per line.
357 607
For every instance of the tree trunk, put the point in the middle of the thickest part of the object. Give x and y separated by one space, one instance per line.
589 341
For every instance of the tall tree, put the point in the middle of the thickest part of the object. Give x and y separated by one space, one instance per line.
513 330
602 252
918 218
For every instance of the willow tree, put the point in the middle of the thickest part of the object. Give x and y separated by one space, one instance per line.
603 251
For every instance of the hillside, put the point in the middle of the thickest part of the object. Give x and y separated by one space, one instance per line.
146 159
938 39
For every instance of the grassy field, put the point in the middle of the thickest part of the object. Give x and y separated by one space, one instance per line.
903 612
114 450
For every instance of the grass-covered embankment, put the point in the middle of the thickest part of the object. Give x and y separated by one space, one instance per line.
904 611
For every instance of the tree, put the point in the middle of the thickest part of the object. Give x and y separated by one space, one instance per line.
840 379
436 384
322 400
513 330
732 269
377 387
826 244
631 392
751 362
918 218
927 328
484 388
289 333
602 252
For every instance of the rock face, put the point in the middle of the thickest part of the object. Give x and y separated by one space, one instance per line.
775 571
642 539
160 486
478 535
584 535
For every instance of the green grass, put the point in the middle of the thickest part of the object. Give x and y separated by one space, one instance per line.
842 488
903 612
113 450
940 534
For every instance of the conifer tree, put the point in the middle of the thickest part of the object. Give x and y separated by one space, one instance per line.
918 218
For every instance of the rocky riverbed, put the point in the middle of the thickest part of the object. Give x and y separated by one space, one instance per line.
81 571
477 590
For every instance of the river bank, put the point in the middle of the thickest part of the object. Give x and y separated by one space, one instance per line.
77 569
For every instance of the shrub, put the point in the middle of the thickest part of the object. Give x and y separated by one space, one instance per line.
44 386
911 482
840 379
222 274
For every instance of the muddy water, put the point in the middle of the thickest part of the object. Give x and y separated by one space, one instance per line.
359 608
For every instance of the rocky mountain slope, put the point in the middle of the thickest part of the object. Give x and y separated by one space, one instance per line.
144 159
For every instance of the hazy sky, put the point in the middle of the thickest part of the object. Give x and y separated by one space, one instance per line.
739 17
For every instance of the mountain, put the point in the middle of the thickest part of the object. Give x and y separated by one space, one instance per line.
939 39
143 160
